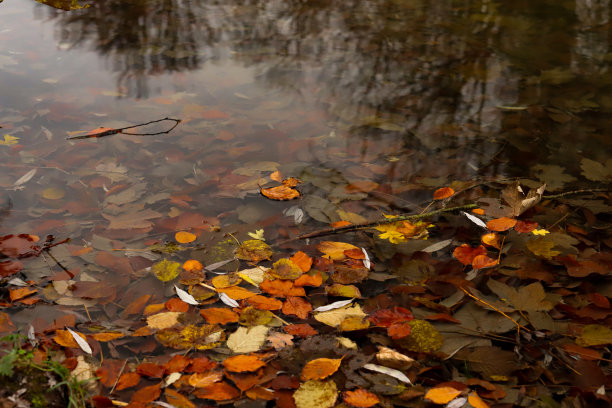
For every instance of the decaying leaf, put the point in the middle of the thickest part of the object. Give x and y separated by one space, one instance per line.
166 270
254 250
335 317
594 335
316 394
517 201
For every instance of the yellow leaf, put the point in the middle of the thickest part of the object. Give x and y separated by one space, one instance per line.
53 193
316 394
166 270
9 140
541 232
258 234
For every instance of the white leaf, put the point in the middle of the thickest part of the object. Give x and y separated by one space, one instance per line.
17 282
82 343
334 305
457 403
398 375
228 300
475 220
366 261
437 246
185 297
25 178
164 404
296 212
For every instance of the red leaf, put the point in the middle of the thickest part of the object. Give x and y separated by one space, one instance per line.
466 254
443 193
388 317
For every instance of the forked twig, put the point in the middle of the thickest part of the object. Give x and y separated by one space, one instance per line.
110 132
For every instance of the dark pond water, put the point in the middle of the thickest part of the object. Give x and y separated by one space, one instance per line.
372 104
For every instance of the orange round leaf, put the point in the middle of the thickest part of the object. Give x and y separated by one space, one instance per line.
443 193
360 398
184 237
501 224
127 380
320 368
192 265
302 260
442 395
243 363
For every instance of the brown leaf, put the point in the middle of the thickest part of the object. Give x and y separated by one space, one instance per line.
297 306
220 391
147 394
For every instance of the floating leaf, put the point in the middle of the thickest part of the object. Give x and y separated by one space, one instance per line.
335 250
280 340
320 368
335 317
258 234
80 340
53 193
220 391
296 306
333 306
466 254
285 268
442 395
218 315
517 201
184 237
9 140
596 171
542 246
360 398
302 260
254 250
443 193
198 337
483 261
316 394
200 380
491 239
228 300
192 265
280 193
166 270
247 340
163 320
185 297
475 220
501 224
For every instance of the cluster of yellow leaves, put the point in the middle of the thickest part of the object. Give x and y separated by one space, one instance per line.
402 231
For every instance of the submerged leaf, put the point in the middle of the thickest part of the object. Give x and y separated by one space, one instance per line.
254 250
166 270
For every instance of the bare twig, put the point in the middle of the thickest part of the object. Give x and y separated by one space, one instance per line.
110 132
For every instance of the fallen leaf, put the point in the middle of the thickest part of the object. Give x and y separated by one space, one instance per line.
184 237
166 270
280 193
247 340
442 395
302 330
220 391
501 224
200 380
398 375
320 368
335 317
127 380
596 171
243 363
177 399
316 394
594 335
192 265
280 340
466 254
483 261
254 250
360 398
296 306
163 320
491 239
443 193
219 315
335 250
264 303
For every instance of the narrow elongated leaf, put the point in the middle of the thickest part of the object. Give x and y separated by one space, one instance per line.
228 300
475 220
398 375
80 341
185 297
334 305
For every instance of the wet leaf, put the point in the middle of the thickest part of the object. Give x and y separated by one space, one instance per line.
491 239
466 254
184 237
302 260
296 306
281 288
594 335
398 375
303 330
243 363
501 224
596 171
543 247
200 380
264 303
220 391
166 270
249 316
335 317
254 250
335 250
517 201
483 261
351 291
219 315
316 394
128 380
280 340
53 193
477 402
320 368
80 340
163 320
285 269
177 399
442 395
443 193
202 337
334 305
185 297
360 398
280 193
18 246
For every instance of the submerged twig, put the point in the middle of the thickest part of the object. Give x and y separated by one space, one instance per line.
109 132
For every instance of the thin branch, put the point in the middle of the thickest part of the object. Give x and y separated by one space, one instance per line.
110 132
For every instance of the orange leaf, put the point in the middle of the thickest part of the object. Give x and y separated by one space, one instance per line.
302 330
245 381
339 224
281 288
320 368
491 239
184 237
127 380
219 315
465 253
192 265
291 182
399 330
476 401
6 325
220 391
242 363
335 250
264 303
302 260
280 193
501 224
200 380
237 293
176 399
483 261
147 394
355 253
177 305
20 293
136 306
478 211
297 306
309 280
64 338
389 317
260 393
107 336
443 193
442 395
276 176
360 398
150 370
